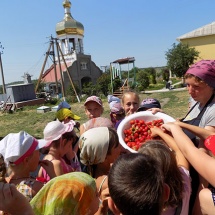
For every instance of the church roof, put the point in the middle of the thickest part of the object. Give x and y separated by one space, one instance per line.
69 25
205 30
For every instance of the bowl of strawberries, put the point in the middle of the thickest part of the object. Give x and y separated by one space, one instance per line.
134 130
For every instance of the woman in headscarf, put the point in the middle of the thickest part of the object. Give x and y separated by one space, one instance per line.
200 80
70 194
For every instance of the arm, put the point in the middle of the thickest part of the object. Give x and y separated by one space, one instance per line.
82 129
200 132
12 201
181 160
202 162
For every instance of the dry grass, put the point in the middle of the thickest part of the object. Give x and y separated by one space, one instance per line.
174 103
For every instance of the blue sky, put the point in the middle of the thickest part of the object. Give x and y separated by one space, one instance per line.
113 29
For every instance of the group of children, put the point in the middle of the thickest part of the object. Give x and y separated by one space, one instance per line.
110 180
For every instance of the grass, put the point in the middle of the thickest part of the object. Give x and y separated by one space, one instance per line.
174 103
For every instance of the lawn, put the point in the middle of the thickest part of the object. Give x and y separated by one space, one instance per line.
174 103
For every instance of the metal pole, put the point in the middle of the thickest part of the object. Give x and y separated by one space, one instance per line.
1 67
111 78
41 73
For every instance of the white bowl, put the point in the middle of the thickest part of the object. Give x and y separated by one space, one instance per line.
143 115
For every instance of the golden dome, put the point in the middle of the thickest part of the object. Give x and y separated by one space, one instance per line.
69 25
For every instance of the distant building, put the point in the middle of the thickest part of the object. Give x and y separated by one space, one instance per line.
82 69
202 39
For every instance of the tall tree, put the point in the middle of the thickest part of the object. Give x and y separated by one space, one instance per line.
152 74
143 80
104 83
180 57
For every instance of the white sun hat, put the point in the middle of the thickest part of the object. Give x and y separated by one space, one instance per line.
15 147
55 129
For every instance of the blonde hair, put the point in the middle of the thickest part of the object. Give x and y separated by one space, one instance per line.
130 93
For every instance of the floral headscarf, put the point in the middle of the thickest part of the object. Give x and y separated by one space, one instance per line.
70 193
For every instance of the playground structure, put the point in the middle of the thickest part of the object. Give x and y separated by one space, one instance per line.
116 71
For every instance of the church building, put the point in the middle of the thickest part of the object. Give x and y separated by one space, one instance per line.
82 69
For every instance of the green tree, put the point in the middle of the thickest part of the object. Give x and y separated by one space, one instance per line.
180 57
90 89
70 91
143 80
103 83
165 74
40 86
152 74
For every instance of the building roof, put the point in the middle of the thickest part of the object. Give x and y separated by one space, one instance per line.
49 74
125 60
205 30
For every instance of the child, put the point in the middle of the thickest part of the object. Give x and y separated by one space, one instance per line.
203 163
136 186
73 193
149 103
117 113
21 155
59 139
100 147
93 109
130 104
175 170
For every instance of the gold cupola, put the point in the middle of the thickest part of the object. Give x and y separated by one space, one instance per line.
69 25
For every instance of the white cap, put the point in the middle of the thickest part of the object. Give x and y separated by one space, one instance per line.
15 147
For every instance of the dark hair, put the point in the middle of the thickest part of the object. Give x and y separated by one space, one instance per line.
68 136
113 140
136 185
171 172
191 76
113 143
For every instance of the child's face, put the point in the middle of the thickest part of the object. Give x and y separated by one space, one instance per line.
34 160
130 104
93 110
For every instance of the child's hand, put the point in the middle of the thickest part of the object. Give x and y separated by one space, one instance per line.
168 126
12 201
155 131
49 167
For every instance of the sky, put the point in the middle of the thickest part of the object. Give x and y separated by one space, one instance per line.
113 29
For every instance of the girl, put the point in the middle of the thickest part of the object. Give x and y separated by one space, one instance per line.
21 154
72 193
100 147
175 169
203 163
130 103
59 139
93 109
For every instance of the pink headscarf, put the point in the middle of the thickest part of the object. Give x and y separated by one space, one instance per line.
205 70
